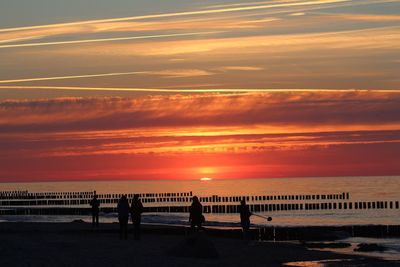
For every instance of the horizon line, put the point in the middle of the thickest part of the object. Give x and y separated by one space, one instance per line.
194 179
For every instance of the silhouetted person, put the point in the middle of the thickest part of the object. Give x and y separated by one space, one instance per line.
136 215
123 217
244 218
95 203
196 217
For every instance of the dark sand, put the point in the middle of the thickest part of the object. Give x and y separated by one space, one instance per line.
75 244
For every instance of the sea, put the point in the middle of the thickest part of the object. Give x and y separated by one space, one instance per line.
360 189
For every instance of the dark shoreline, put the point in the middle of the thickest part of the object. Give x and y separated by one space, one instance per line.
43 244
258 232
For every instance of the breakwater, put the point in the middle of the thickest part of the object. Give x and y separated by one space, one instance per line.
77 203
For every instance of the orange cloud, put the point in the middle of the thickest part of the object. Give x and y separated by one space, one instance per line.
207 123
388 38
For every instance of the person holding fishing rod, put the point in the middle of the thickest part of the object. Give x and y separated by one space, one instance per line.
245 218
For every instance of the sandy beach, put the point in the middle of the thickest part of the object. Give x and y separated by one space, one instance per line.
76 244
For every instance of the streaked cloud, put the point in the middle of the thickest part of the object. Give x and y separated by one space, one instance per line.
105 39
365 17
179 73
126 24
297 14
179 14
288 108
242 68
70 77
27 38
262 34
389 37
252 130
189 90
202 24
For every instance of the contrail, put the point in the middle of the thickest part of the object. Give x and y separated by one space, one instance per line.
161 90
179 14
72 77
108 39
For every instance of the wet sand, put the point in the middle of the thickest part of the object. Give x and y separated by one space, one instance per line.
76 244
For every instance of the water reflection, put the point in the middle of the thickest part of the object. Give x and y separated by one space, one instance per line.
320 263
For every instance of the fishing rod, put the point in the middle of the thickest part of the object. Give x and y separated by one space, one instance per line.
267 218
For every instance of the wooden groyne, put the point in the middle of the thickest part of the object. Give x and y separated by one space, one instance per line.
30 210
25 198
77 203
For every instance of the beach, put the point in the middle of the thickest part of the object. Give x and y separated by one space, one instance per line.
77 244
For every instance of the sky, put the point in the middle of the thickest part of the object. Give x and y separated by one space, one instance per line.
103 90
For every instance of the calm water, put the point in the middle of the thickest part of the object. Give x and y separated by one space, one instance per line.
360 189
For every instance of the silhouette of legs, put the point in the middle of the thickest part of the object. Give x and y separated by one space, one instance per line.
136 230
123 229
95 220
246 232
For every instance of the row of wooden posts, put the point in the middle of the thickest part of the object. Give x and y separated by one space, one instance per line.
83 195
215 208
110 201
83 198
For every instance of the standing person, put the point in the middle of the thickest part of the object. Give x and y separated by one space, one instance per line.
123 217
244 218
136 215
196 217
95 204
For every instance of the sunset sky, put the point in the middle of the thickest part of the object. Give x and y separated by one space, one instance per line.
139 89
